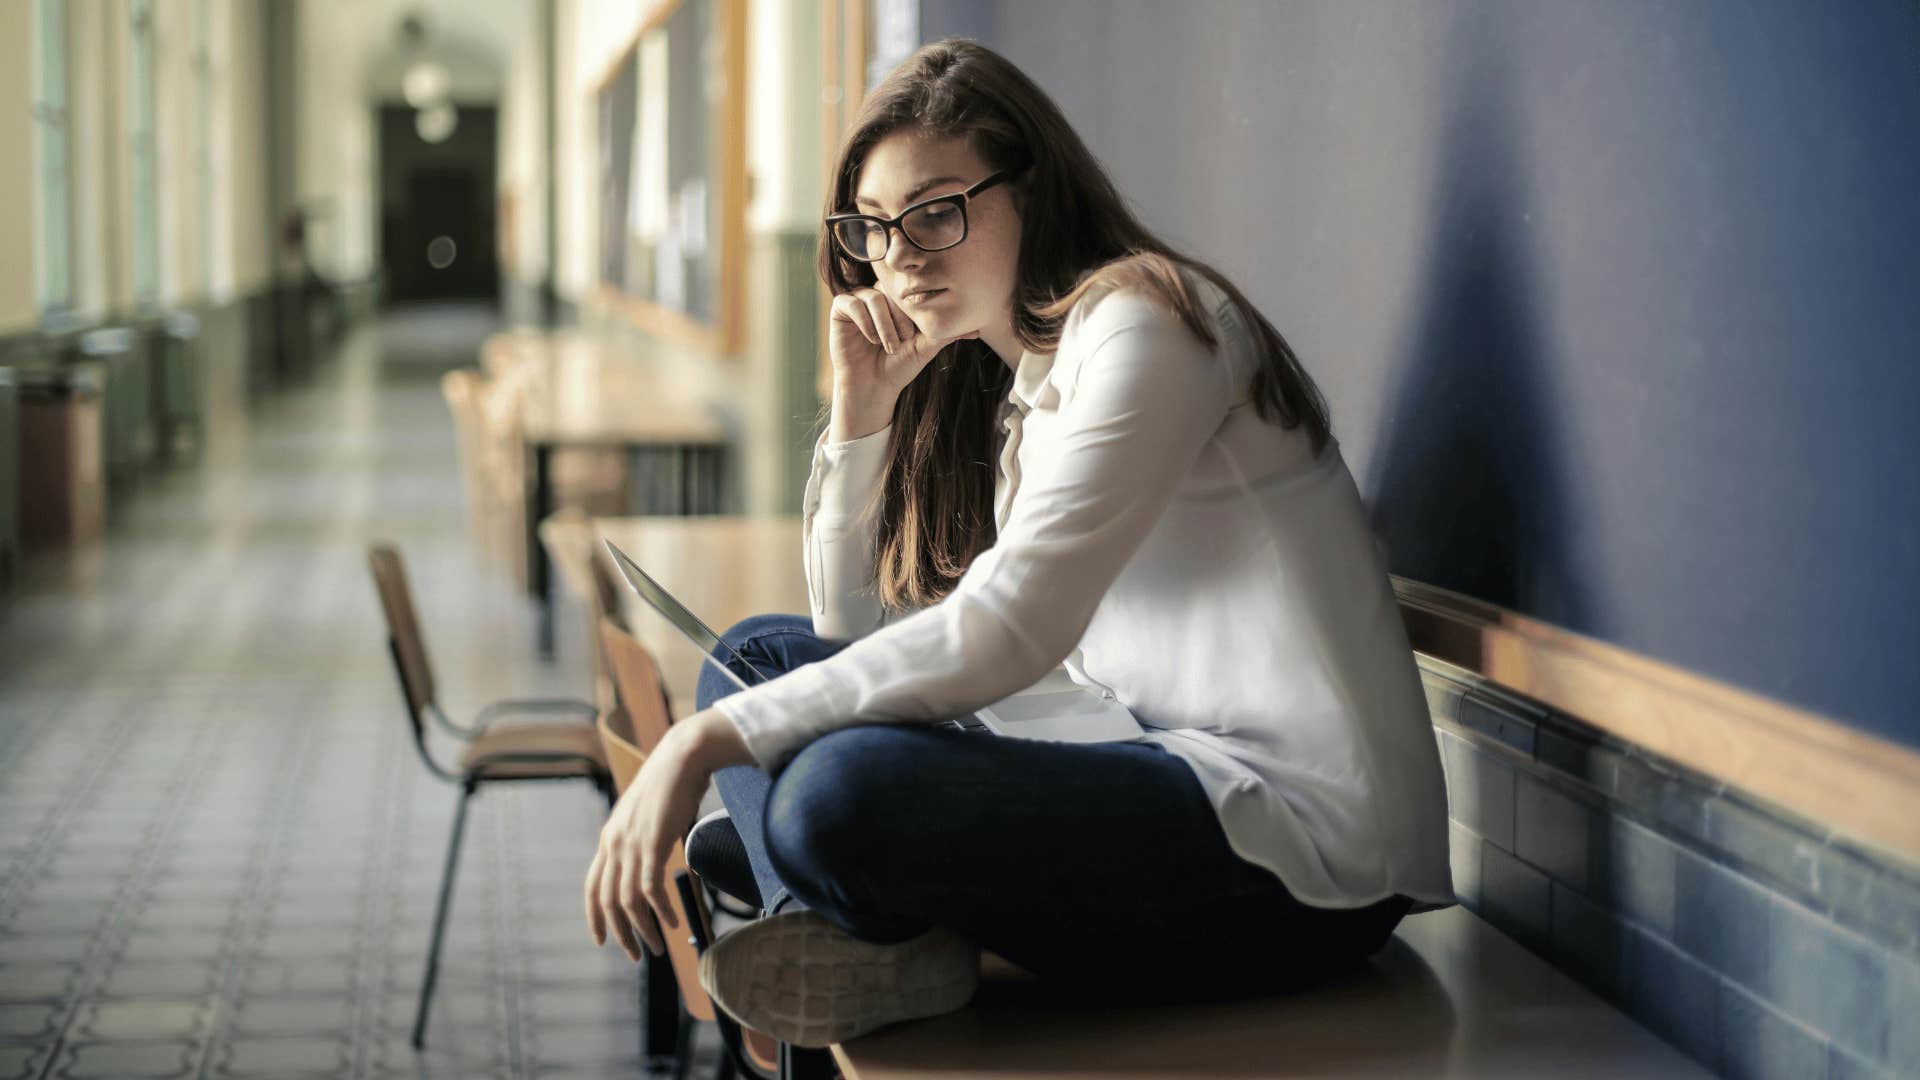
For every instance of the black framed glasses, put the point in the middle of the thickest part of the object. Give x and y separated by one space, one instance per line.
933 225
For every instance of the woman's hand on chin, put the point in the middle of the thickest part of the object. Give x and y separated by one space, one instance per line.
627 887
876 350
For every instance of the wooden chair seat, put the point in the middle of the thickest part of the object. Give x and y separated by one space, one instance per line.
535 751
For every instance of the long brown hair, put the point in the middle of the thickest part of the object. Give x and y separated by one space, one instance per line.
935 503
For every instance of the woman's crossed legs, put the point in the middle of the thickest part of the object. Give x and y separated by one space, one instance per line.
1102 865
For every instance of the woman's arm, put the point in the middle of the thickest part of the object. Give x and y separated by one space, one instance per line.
875 351
839 535
1144 399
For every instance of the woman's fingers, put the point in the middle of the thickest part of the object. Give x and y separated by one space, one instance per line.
653 882
881 309
609 900
904 328
627 921
855 312
640 913
596 919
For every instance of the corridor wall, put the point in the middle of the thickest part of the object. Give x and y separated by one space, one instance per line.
1614 303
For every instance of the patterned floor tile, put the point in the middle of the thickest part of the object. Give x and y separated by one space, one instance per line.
22 1062
251 890
37 982
118 1021
33 1022
574 1045
161 978
449 1051
309 1015
105 1061
307 975
288 1057
45 948
200 945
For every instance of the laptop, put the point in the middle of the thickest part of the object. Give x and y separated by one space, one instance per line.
1055 709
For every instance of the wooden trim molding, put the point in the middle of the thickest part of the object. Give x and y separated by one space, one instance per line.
1862 787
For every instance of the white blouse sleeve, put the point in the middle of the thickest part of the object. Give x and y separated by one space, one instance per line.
1134 415
838 535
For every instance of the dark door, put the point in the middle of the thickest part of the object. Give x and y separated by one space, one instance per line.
438 208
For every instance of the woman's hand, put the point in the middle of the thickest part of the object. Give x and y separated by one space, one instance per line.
627 887
876 351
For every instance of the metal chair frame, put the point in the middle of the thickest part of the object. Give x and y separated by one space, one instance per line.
397 605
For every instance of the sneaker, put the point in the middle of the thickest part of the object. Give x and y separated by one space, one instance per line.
804 981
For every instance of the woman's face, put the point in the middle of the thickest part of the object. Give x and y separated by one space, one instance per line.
979 273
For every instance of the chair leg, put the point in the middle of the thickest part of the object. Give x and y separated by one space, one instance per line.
660 995
683 1049
440 915
797 1063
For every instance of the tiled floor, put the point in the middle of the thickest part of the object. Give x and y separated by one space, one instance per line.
219 852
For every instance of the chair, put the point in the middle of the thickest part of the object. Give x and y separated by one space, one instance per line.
714 847
508 349
646 717
567 534
750 1052
462 387
494 752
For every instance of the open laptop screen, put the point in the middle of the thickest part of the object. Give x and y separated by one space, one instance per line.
685 621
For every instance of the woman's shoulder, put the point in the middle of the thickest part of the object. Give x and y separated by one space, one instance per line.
1154 293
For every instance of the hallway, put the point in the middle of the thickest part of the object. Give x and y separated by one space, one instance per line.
220 851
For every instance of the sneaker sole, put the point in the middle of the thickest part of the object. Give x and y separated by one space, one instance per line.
804 981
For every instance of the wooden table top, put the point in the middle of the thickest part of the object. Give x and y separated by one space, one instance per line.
582 392
723 568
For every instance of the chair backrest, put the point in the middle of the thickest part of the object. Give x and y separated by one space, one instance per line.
567 534
403 630
624 759
637 679
462 388
499 401
504 351
605 590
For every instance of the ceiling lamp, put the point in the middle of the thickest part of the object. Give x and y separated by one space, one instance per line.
425 83
436 123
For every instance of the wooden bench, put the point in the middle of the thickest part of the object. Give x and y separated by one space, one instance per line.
1447 996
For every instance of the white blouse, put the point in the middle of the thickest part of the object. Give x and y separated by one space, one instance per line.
1167 545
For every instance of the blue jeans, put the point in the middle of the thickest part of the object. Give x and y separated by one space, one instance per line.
1101 865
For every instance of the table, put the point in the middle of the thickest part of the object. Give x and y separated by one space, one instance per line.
723 568
583 393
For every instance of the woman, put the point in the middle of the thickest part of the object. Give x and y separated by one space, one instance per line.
1052 440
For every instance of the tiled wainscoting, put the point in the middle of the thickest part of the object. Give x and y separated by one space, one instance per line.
1750 939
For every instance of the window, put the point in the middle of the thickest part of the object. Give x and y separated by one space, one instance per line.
53 248
203 139
143 157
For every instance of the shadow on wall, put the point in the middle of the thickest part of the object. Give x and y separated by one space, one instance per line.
1467 487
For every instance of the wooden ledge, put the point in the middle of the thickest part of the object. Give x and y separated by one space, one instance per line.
1862 787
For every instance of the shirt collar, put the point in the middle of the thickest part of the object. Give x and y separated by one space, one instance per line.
1030 378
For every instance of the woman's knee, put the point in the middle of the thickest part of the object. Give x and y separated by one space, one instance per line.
741 635
837 810
748 638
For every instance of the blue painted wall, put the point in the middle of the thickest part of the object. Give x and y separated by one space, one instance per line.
1616 303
